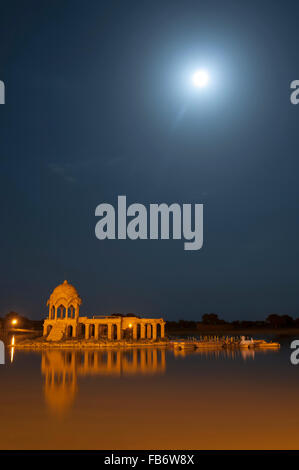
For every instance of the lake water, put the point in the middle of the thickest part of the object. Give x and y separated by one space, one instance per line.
149 399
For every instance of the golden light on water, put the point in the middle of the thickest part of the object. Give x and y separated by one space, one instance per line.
64 386
71 365
12 352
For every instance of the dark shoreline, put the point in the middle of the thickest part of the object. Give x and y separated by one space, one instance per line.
220 331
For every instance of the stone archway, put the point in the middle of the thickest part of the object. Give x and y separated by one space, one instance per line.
114 331
69 331
52 313
128 333
61 311
72 311
103 331
81 330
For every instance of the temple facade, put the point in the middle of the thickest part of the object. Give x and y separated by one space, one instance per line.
64 321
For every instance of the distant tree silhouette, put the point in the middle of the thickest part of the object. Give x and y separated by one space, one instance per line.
279 321
211 319
186 324
289 321
181 325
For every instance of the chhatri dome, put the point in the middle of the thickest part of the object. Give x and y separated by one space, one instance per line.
64 296
64 291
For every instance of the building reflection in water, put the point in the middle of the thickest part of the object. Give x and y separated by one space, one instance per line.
61 369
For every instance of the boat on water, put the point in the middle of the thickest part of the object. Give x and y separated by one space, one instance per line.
184 345
264 344
246 343
257 343
242 344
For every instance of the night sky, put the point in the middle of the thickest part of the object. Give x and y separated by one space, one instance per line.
99 104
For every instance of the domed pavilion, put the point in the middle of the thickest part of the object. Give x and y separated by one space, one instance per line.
64 321
64 302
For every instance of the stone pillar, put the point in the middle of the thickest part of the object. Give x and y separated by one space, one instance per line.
142 331
110 331
96 332
74 331
118 332
87 331
162 330
148 331
55 313
77 312
135 331
66 312
154 327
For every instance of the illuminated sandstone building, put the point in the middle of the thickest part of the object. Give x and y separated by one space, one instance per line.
64 321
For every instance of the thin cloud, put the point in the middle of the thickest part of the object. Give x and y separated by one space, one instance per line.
63 171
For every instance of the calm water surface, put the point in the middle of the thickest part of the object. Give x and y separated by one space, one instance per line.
149 399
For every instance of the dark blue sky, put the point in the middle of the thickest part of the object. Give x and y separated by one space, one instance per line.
98 104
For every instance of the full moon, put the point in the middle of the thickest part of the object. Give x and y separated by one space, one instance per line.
200 78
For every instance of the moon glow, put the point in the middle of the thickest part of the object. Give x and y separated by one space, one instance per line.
200 78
